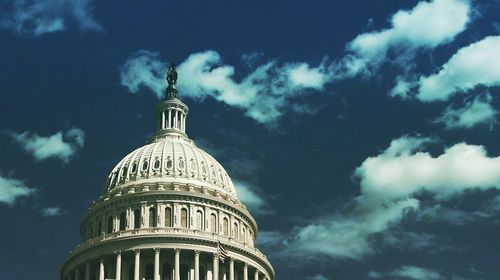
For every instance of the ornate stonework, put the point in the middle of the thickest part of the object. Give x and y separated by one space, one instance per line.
166 210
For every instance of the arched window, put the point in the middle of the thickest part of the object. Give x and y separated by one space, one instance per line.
213 223
123 221
199 220
243 234
166 272
144 165
152 217
203 273
168 217
157 164
99 227
236 231
169 163
109 226
184 218
225 227
137 218
131 270
149 271
184 271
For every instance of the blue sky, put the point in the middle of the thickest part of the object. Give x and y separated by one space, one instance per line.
363 135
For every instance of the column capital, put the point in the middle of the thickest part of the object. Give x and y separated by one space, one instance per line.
231 259
157 250
177 250
197 252
137 251
245 265
118 253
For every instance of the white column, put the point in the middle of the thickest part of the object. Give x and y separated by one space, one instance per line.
118 273
215 266
77 274
231 269
169 119
137 264
245 272
87 271
176 122
256 274
101 269
177 264
157 264
196 265
162 120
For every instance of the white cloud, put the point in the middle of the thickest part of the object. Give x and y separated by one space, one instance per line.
264 94
471 66
401 171
29 17
249 196
475 112
428 25
12 189
51 211
346 236
302 75
144 69
416 273
61 145
391 183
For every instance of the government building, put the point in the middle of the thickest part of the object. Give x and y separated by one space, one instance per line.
168 211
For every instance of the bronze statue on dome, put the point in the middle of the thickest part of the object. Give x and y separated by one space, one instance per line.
172 75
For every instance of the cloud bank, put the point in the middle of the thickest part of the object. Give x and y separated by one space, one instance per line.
425 26
61 145
475 112
12 189
264 94
391 184
469 67
35 18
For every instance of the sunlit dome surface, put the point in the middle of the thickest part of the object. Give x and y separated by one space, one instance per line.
171 159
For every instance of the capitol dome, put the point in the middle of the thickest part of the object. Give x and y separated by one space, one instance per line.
173 158
168 211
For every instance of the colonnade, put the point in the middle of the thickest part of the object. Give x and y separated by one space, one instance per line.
146 264
173 119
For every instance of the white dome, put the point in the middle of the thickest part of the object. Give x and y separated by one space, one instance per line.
171 159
